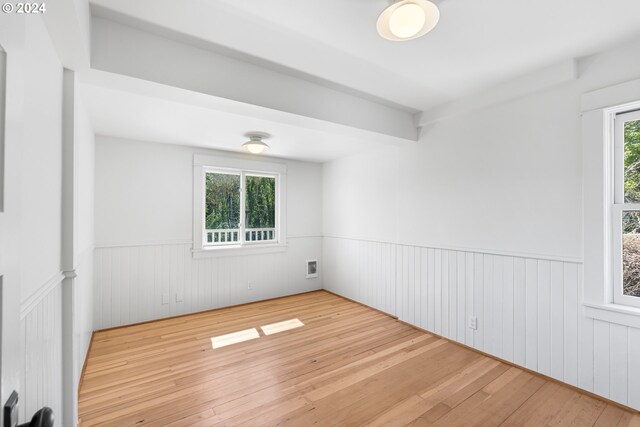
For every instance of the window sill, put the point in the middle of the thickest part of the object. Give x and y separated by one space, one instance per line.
212 252
614 313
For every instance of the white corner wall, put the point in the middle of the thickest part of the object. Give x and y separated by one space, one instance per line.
504 179
143 217
30 237
83 235
484 217
42 123
40 184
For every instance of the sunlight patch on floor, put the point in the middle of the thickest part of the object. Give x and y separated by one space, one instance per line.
234 338
286 325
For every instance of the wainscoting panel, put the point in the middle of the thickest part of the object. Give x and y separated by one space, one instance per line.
139 283
83 311
528 310
363 271
41 332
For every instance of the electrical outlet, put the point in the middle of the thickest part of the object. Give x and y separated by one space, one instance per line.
250 285
165 299
473 322
179 296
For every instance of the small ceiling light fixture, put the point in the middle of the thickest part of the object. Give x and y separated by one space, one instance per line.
255 145
407 19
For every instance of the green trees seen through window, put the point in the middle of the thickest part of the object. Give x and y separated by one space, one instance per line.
631 219
260 202
222 204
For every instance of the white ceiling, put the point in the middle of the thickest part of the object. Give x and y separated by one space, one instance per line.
135 115
477 44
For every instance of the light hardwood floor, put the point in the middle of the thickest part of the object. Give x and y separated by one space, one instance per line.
349 365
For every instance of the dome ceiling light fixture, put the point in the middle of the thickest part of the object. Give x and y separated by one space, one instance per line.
255 145
407 19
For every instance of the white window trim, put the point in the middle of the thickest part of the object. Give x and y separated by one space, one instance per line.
619 206
599 109
204 163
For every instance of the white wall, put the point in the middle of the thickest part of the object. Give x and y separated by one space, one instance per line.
487 221
41 330
360 196
502 179
84 182
143 229
143 193
83 235
41 170
30 242
505 178
131 280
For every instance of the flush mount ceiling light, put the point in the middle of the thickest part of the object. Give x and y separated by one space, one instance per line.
407 19
255 145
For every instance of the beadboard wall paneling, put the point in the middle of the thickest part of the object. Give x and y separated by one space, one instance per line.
41 335
131 281
529 310
362 271
83 311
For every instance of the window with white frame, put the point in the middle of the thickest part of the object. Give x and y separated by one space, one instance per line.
237 203
626 209
240 207
605 115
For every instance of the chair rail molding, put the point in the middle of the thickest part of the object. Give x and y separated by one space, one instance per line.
70 274
35 298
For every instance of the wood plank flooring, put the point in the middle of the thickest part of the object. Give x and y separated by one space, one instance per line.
348 365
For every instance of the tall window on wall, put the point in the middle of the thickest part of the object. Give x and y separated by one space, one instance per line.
626 209
237 204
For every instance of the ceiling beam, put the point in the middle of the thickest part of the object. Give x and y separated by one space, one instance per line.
121 49
69 26
163 92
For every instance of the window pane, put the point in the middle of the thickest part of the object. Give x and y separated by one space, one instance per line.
632 161
631 253
260 208
222 208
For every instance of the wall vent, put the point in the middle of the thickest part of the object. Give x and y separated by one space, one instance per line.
312 268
